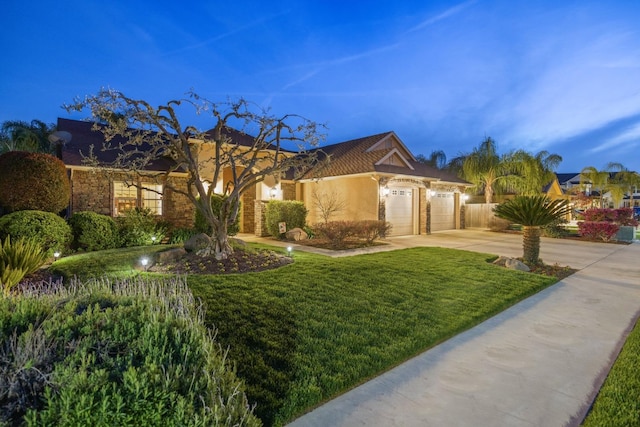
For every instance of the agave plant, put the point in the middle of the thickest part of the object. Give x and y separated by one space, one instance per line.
533 213
17 259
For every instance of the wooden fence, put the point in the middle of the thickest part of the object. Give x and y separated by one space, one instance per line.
480 215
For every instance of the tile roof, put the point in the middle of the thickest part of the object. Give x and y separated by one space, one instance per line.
83 137
353 157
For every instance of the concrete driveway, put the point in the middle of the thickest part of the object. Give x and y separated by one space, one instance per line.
539 363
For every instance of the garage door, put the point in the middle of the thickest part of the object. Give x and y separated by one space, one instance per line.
399 213
442 211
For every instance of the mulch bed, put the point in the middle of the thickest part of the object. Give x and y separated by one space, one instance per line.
240 261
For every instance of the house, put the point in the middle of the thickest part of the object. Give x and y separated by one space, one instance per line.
377 177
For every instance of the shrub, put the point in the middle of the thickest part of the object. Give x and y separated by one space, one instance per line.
338 232
145 358
291 212
201 224
598 230
556 229
17 259
50 231
138 227
33 181
93 232
622 216
181 235
371 230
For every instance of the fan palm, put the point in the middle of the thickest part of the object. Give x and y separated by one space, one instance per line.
533 213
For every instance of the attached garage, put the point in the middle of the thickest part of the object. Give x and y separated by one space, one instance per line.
442 211
400 210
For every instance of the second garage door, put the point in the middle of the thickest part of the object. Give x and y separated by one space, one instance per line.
442 211
399 213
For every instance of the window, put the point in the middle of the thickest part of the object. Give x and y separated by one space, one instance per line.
126 197
152 199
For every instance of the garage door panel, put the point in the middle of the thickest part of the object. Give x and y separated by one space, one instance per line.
442 211
399 211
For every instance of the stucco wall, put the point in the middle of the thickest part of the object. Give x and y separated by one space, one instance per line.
359 194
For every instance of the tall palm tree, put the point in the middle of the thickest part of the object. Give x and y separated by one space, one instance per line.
533 172
598 179
17 135
627 181
437 159
533 213
486 169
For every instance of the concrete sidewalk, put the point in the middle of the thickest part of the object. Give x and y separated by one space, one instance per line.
539 363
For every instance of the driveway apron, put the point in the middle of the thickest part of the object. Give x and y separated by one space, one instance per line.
539 363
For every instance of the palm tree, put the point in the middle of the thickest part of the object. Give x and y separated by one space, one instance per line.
625 180
437 159
533 172
16 135
486 169
598 179
533 213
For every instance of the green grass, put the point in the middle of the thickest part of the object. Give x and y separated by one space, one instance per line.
618 403
304 333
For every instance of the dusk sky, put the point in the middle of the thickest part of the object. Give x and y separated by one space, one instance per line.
561 76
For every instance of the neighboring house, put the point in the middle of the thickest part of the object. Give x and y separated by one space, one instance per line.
554 191
376 177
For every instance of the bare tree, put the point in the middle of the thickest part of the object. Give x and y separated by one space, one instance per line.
328 203
152 133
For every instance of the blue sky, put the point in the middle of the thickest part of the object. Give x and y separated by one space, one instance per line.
561 76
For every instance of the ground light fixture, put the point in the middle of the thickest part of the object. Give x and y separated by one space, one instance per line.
153 240
56 255
289 249
145 262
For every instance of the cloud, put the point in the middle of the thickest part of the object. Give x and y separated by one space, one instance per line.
631 135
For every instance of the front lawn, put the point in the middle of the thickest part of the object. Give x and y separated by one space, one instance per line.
304 333
618 402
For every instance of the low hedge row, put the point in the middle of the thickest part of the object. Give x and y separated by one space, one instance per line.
338 232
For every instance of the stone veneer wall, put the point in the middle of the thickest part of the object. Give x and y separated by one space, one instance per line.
422 215
249 211
260 218
92 191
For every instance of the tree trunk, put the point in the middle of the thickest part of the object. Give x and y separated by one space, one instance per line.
531 244
488 194
220 242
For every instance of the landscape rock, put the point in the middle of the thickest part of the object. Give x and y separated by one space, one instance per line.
514 264
501 261
197 243
170 255
296 234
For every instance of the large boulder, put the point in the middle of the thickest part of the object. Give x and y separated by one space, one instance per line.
296 234
170 255
197 242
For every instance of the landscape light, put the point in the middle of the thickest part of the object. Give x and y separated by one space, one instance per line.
289 249
144 261
56 255
153 239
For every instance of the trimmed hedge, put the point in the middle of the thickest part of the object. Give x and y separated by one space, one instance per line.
145 357
291 212
338 232
93 231
33 181
49 230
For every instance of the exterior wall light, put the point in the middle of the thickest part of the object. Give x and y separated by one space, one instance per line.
273 192
385 191
465 197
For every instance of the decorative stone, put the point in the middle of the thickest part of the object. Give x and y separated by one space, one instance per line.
197 243
296 234
514 264
501 261
170 255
